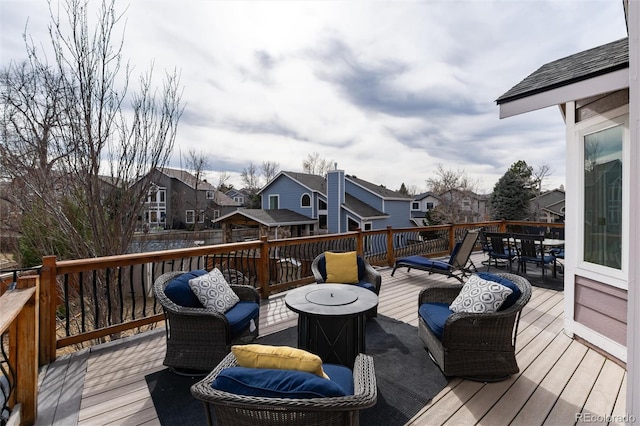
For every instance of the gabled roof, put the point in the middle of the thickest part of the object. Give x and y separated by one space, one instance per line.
424 195
571 69
313 183
186 178
379 190
594 72
270 218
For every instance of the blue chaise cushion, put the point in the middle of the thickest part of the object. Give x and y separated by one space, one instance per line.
273 383
179 292
423 263
435 315
240 315
513 297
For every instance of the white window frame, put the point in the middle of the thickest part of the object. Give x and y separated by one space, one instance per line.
193 216
302 197
415 205
211 195
616 117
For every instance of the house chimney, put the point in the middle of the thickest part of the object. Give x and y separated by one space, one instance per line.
335 200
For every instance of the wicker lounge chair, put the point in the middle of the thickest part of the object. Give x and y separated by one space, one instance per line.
476 346
199 338
237 410
455 267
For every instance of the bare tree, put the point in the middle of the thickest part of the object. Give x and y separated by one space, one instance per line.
269 170
453 187
539 175
196 164
78 144
77 148
251 181
223 178
315 165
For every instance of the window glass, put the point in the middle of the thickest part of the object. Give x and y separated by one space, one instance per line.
603 197
306 200
273 202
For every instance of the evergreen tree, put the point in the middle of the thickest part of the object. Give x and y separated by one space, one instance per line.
512 192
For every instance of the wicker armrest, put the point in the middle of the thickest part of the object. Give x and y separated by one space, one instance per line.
371 275
246 293
439 293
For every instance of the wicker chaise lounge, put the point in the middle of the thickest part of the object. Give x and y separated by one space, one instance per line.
479 346
199 338
238 410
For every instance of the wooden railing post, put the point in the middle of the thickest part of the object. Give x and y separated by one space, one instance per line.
27 353
391 258
360 243
452 237
48 305
263 270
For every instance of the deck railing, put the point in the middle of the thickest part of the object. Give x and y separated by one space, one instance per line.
72 303
19 366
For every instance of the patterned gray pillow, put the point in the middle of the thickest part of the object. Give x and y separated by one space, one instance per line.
480 296
213 291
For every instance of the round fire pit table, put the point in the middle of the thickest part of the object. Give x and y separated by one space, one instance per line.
332 320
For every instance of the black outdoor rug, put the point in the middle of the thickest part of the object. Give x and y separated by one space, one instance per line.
407 378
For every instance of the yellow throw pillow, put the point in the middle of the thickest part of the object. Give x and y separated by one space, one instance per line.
342 267
278 357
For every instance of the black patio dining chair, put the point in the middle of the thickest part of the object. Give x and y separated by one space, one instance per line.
502 249
531 250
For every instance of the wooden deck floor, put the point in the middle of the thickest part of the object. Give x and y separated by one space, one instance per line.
560 379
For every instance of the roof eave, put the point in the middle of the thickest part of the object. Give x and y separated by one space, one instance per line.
527 102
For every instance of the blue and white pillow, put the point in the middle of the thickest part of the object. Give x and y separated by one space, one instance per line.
214 292
480 296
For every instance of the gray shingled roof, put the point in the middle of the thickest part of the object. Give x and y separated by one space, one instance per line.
562 72
187 178
378 189
361 208
271 218
313 182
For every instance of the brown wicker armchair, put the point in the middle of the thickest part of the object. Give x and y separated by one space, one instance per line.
366 274
237 410
199 338
476 346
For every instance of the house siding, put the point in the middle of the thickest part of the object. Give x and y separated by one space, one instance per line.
290 193
602 308
364 195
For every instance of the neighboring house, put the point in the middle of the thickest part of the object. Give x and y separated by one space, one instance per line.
598 92
466 206
240 196
548 207
337 204
421 205
177 200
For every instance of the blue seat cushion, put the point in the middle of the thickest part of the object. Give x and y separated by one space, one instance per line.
179 292
513 297
435 315
367 285
341 375
420 262
273 383
240 315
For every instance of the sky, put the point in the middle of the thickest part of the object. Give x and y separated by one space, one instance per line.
387 90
